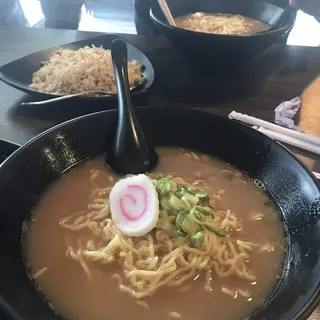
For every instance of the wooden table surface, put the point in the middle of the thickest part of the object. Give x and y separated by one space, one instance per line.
282 73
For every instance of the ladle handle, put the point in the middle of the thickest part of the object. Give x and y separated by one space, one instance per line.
130 145
120 62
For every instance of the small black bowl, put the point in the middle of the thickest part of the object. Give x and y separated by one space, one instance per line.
215 53
28 172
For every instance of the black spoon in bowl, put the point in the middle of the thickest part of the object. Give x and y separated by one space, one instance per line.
131 153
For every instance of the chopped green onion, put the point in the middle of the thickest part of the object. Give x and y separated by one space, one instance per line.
189 226
191 198
219 233
192 190
163 186
180 217
164 204
186 208
186 204
205 212
180 233
197 214
175 202
197 240
163 189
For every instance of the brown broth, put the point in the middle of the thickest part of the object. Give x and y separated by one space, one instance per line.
65 284
221 23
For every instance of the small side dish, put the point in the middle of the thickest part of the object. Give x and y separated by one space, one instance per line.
76 71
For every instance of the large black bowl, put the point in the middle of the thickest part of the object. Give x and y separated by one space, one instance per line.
28 172
213 53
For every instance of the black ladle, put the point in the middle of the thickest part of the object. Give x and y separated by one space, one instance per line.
281 20
130 153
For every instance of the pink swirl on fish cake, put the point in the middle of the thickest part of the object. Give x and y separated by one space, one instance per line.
124 212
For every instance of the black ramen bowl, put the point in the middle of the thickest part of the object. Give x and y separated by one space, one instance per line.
211 53
28 172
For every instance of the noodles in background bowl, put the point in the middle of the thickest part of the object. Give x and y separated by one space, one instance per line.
221 23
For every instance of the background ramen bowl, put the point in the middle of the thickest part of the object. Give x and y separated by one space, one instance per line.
214 52
30 170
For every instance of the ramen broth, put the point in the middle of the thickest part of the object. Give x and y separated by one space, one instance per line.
66 286
221 23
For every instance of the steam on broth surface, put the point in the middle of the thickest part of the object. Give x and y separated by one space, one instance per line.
221 23
237 263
